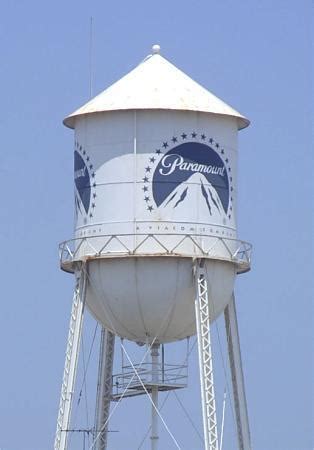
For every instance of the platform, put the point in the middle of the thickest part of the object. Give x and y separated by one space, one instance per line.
167 378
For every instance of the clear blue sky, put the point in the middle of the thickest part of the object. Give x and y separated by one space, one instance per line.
256 55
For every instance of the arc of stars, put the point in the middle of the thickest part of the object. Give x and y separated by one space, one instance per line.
90 167
184 136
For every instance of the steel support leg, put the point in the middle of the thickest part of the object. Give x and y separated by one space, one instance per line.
234 351
104 389
71 359
205 359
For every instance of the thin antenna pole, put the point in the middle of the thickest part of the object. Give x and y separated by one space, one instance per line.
91 57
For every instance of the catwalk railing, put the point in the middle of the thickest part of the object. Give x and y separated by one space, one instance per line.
141 245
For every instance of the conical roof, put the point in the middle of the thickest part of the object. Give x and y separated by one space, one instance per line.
156 84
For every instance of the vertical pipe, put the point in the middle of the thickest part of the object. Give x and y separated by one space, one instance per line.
163 362
134 174
155 377
122 355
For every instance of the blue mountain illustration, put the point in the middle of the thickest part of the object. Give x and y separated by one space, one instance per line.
178 166
196 192
82 184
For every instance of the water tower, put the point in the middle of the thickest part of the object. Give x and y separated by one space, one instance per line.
155 252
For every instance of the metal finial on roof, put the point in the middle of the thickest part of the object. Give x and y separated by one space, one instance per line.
156 49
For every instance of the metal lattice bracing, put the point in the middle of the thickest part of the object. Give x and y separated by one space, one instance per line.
188 245
205 360
71 359
104 389
240 405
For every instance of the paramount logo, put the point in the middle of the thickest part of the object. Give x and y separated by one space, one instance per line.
79 173
172 162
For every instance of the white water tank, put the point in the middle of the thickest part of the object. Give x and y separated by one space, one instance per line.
155 170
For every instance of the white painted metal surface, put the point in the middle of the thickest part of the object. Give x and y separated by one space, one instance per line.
156 84
144 298
240 405
203 309
171 174
155 172
71 359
